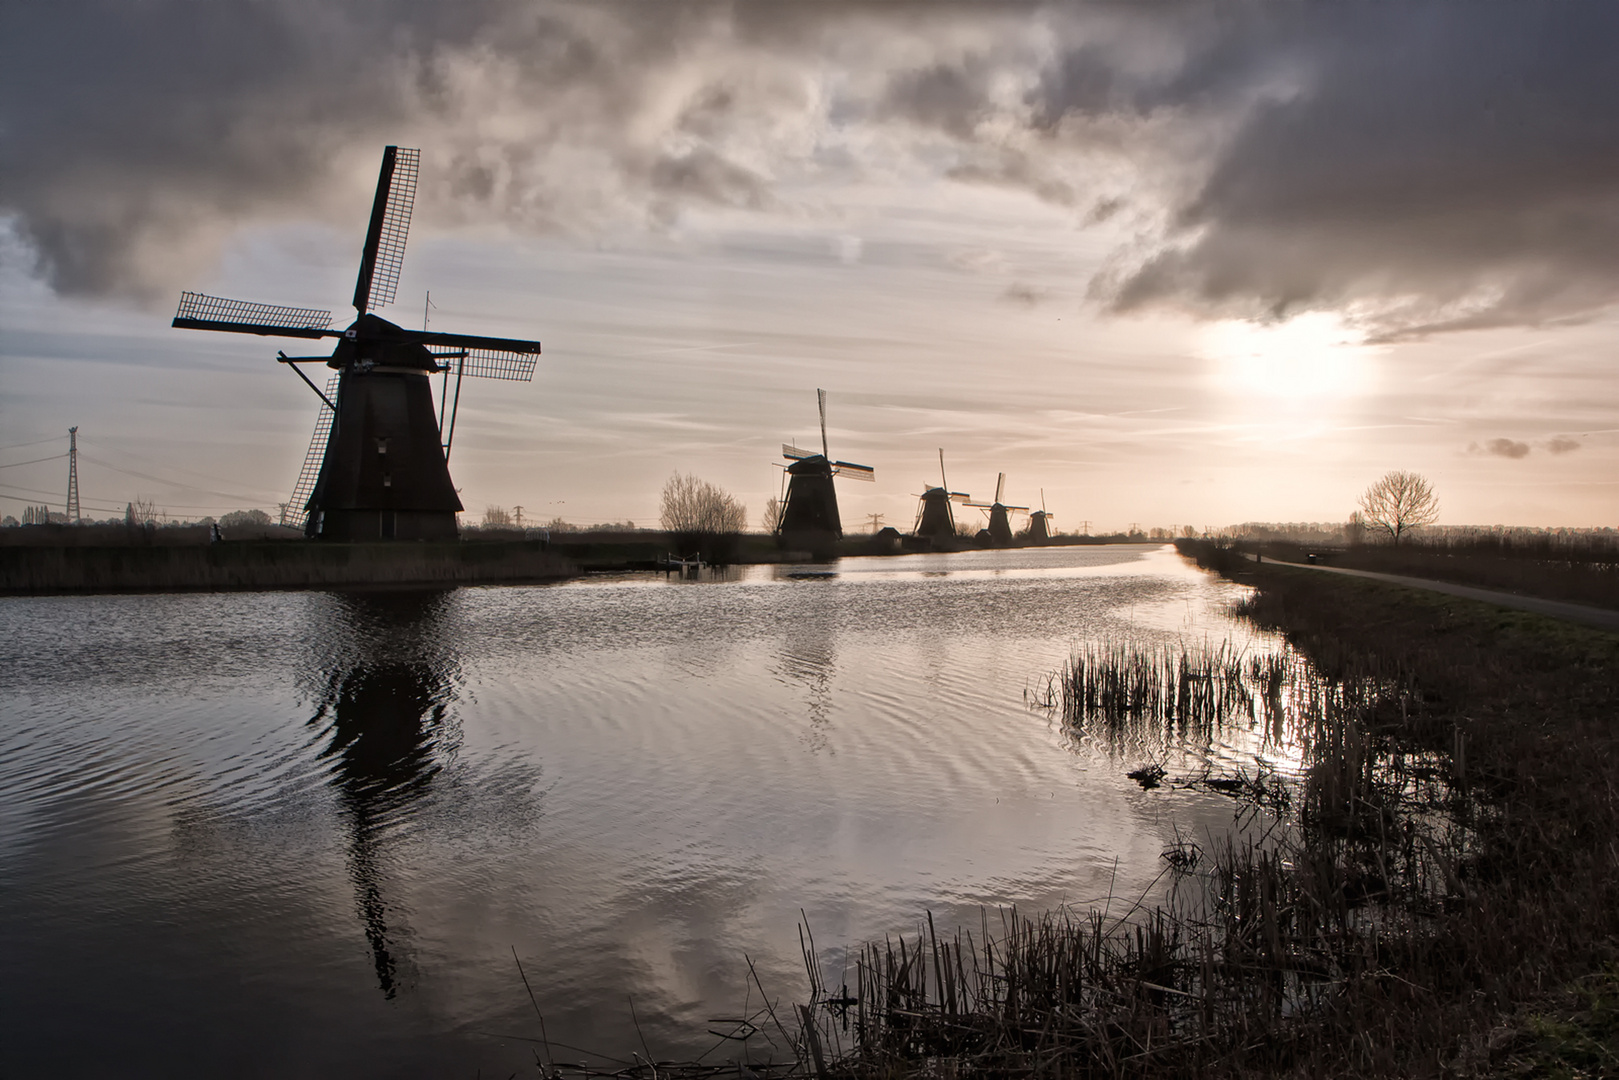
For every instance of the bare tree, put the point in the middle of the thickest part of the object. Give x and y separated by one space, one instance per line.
691 505
496 517
772 516
1398 503
143 513
704 520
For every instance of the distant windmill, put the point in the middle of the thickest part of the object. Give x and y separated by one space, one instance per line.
384 470
1040 522
1000 526
934 519
811 510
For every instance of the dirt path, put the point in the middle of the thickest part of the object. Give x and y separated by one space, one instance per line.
1601 618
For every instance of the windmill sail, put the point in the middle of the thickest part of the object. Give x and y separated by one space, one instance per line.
384 253
853 471
297 506
494 363
199 311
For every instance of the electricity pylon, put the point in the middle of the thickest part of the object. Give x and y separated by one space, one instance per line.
73 474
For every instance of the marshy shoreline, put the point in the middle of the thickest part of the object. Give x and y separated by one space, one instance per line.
1444 900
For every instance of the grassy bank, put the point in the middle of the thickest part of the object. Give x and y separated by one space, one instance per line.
1442 880
271 565
1579 573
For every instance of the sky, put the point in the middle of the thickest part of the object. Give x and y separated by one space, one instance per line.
1160 265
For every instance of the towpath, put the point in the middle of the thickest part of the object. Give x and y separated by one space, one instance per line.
1601 618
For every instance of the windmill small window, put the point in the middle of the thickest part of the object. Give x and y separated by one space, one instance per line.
382 446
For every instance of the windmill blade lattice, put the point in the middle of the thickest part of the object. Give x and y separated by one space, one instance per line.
199 311
494 364
293 514
853 471
390 227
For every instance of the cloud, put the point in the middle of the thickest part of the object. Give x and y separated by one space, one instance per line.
1562 444
1422 167
1023 294
1507 448
1412 168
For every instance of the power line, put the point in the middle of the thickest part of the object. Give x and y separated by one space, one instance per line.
180 484
36 442
166 465
234 505
35 502
35 461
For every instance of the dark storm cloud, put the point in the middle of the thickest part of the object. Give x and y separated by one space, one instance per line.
1414 167
134 137
1426 167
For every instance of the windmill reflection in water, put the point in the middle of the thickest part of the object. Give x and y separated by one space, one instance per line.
384 711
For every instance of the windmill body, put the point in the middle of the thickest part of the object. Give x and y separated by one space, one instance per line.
384 474
812 499
385 471
934 518
810 517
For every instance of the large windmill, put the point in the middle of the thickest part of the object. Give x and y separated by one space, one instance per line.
1000 525
811 513
934 519
384 472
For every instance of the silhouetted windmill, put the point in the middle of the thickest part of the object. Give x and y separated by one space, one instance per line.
384 473
1040 522
811 512
934 519
1000 526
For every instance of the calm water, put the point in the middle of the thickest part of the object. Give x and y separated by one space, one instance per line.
302 833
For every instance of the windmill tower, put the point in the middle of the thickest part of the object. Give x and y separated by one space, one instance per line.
1040 522
810 515
384 471
1000 525
934 519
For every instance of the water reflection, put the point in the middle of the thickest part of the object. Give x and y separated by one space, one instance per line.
808 657
384 711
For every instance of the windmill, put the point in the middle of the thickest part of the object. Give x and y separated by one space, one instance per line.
811 510
1040 522
1000 527
384 471
934 519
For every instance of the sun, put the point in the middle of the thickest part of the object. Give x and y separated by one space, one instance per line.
1310 357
